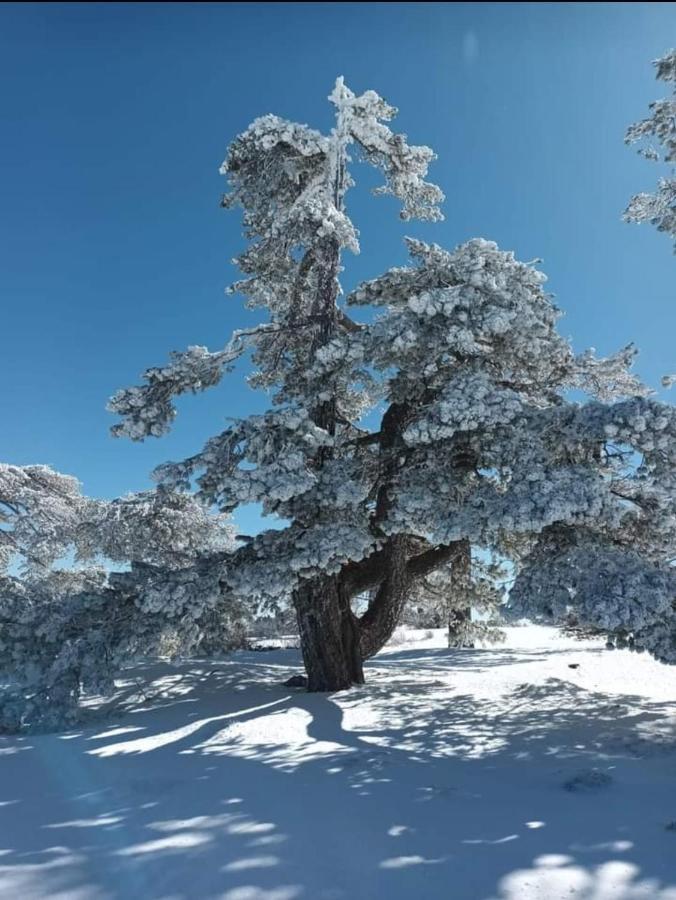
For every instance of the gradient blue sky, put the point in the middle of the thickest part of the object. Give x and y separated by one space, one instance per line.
115 118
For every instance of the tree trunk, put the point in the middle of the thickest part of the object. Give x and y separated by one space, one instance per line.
382 617
460 617
329 635
458 620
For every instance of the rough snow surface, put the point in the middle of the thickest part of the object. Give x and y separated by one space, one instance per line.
443 777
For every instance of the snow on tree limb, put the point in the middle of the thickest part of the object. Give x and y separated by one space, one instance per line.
40 511
658 208
403 166
148 410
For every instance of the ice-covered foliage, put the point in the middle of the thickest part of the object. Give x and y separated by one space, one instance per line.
659 128
67 623
616 572
609 586
148 409
45 517
478 450
290 182
163 528
40 513
276 562
493 446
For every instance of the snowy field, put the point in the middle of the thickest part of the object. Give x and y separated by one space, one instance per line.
500 773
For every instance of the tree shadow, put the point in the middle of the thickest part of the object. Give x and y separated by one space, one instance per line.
227 784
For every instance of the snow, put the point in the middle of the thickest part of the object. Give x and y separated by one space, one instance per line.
448 775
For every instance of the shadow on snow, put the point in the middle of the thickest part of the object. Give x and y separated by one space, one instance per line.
225 783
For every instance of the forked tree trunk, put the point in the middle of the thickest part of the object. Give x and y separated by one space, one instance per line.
460 617
329 636
334 641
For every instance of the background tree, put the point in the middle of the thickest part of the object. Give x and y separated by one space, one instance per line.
477 445
439 601
658 208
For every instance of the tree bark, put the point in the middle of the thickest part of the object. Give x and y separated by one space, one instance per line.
334 641
459 617
382 617
329 635
329 632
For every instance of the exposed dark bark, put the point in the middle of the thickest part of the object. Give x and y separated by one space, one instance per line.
392 570
383 614
329 632
365 575
325 311
329 635
459 618
433 559
347 323
368 573
333 640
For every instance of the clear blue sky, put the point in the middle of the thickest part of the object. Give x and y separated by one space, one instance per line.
115 118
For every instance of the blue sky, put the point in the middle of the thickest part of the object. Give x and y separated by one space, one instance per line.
115 119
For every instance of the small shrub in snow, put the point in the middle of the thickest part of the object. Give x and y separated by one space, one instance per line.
399 637
588 781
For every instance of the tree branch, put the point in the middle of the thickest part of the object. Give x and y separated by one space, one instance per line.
432 559
348 323
364 575
369 573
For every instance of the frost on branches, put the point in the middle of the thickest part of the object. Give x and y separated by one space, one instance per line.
658 129
617 572
478 451
66 630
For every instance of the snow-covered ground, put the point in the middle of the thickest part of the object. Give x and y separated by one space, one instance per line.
444 777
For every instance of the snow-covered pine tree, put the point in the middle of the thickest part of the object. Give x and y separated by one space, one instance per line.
476 446
67 623
659 127
305 458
